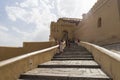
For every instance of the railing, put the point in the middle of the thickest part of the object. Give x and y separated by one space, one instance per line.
109 61
12 68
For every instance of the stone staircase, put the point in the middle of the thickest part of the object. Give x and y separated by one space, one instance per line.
75 63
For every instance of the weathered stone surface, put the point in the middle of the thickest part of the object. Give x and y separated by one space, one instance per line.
72 59
76 53
65 73
113 47
75 56
75 64
70 64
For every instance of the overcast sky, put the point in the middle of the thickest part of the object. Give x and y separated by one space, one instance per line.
29 20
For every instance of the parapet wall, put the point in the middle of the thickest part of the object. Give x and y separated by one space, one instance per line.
12 68
34 46
109 61
101 25
10 52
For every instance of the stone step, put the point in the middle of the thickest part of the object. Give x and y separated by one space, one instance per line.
70 64
74 50
80 47
73 56
77 52
72 59
65 74
82 54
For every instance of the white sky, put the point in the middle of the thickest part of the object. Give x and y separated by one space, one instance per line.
29 20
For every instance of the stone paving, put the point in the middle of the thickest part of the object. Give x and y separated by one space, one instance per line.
113 47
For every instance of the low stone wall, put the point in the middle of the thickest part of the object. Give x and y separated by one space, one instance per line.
34 46
10 52
109 61
12 68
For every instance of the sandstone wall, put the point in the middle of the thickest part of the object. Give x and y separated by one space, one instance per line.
13 68
58 29
10 52
34 46
109 32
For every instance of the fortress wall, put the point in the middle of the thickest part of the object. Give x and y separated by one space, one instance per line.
109 32
9 52
34 46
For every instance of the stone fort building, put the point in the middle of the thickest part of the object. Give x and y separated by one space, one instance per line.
101 25
82 61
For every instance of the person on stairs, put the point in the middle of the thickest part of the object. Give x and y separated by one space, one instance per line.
61 46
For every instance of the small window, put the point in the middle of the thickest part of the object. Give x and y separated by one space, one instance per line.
100 22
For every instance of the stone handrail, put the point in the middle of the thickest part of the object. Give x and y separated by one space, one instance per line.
109 61
12 68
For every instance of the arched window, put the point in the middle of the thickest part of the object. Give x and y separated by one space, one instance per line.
99 22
